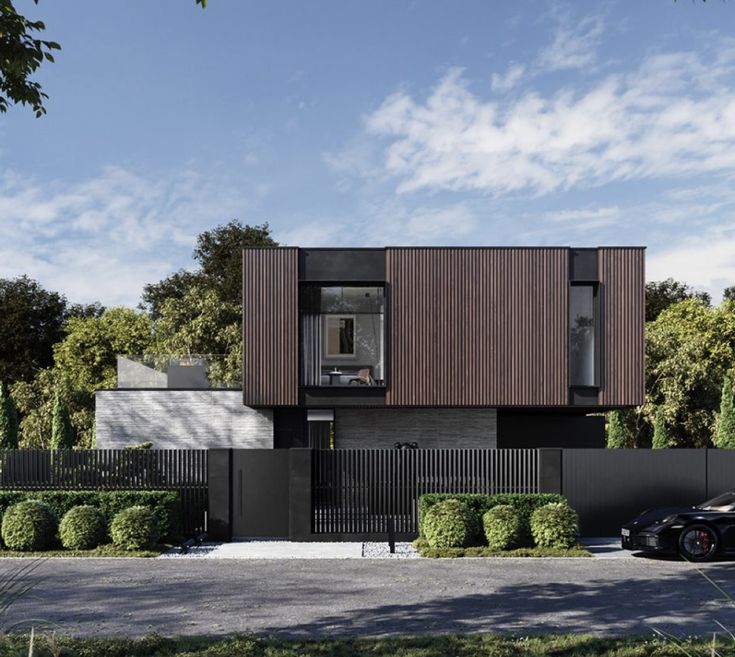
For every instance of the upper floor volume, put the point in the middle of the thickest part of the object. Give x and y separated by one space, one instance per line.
444 327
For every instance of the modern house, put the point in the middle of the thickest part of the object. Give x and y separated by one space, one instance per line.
429 347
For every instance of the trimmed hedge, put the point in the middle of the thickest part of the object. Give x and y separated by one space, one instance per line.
29 525
134 528
450 524
82 528
166 505
555 526
479 504
503 526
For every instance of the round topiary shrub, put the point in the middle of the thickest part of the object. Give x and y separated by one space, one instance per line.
450 524
503 526
82 528
555 525
28 525
134 528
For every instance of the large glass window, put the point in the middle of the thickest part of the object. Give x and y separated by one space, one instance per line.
342 329
582 335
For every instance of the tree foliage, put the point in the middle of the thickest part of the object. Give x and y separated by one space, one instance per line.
725 434
21 53
661 436
689 349
62 433
623 429
660 295
219 255
201 323
8 419
32 322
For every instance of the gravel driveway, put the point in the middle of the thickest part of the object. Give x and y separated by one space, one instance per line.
321 598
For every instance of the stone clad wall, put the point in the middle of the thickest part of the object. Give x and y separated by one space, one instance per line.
180 419
431 428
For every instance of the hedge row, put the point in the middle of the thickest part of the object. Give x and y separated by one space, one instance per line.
165 505
479 504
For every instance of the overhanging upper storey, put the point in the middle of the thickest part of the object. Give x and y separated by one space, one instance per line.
475 326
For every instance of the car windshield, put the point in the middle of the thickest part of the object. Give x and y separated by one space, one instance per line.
724 502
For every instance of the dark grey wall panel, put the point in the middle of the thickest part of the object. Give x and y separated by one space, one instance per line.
342 265
583 265
720 471
260 491
535 430
609 487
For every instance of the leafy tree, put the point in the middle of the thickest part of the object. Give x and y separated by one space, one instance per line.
725 433
21 54
87 357
32 322
617 432
660 295
689 349
85 361
62 433
729 293
8 420
661 437
201 323
219 254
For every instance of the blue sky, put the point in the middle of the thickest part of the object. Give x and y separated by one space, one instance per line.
371 123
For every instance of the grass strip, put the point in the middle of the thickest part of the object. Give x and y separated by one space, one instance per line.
563 645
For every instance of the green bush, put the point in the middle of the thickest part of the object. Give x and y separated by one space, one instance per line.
82 528
555 526
134 528
29 525
503 527
450 524
479 504
165 505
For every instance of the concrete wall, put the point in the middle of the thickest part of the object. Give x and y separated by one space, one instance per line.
429 427
193 419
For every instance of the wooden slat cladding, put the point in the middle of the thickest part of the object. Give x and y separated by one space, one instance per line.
622 286
478 326
270 327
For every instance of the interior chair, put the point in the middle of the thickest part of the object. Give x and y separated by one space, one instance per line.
363 378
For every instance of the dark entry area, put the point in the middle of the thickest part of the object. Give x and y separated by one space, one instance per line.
260 493
536 431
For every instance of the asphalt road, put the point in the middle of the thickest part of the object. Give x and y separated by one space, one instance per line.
329 598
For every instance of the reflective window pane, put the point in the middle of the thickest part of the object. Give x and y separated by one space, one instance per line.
582 335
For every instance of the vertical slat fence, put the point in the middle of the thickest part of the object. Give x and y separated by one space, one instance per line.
180 470
356 491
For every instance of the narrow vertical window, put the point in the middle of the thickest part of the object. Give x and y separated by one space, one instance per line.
582 335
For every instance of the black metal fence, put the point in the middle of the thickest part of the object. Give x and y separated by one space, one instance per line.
180 470
356 491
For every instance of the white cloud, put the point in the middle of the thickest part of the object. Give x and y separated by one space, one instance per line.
706 263
105 237
511 77
673 116
573 46
584 215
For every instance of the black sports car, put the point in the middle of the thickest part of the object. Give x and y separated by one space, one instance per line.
697 533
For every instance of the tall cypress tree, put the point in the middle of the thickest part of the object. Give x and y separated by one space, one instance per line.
725 433
8 420
661 437
618 435
62 433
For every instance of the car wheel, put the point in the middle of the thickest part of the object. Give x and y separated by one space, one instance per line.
698 543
